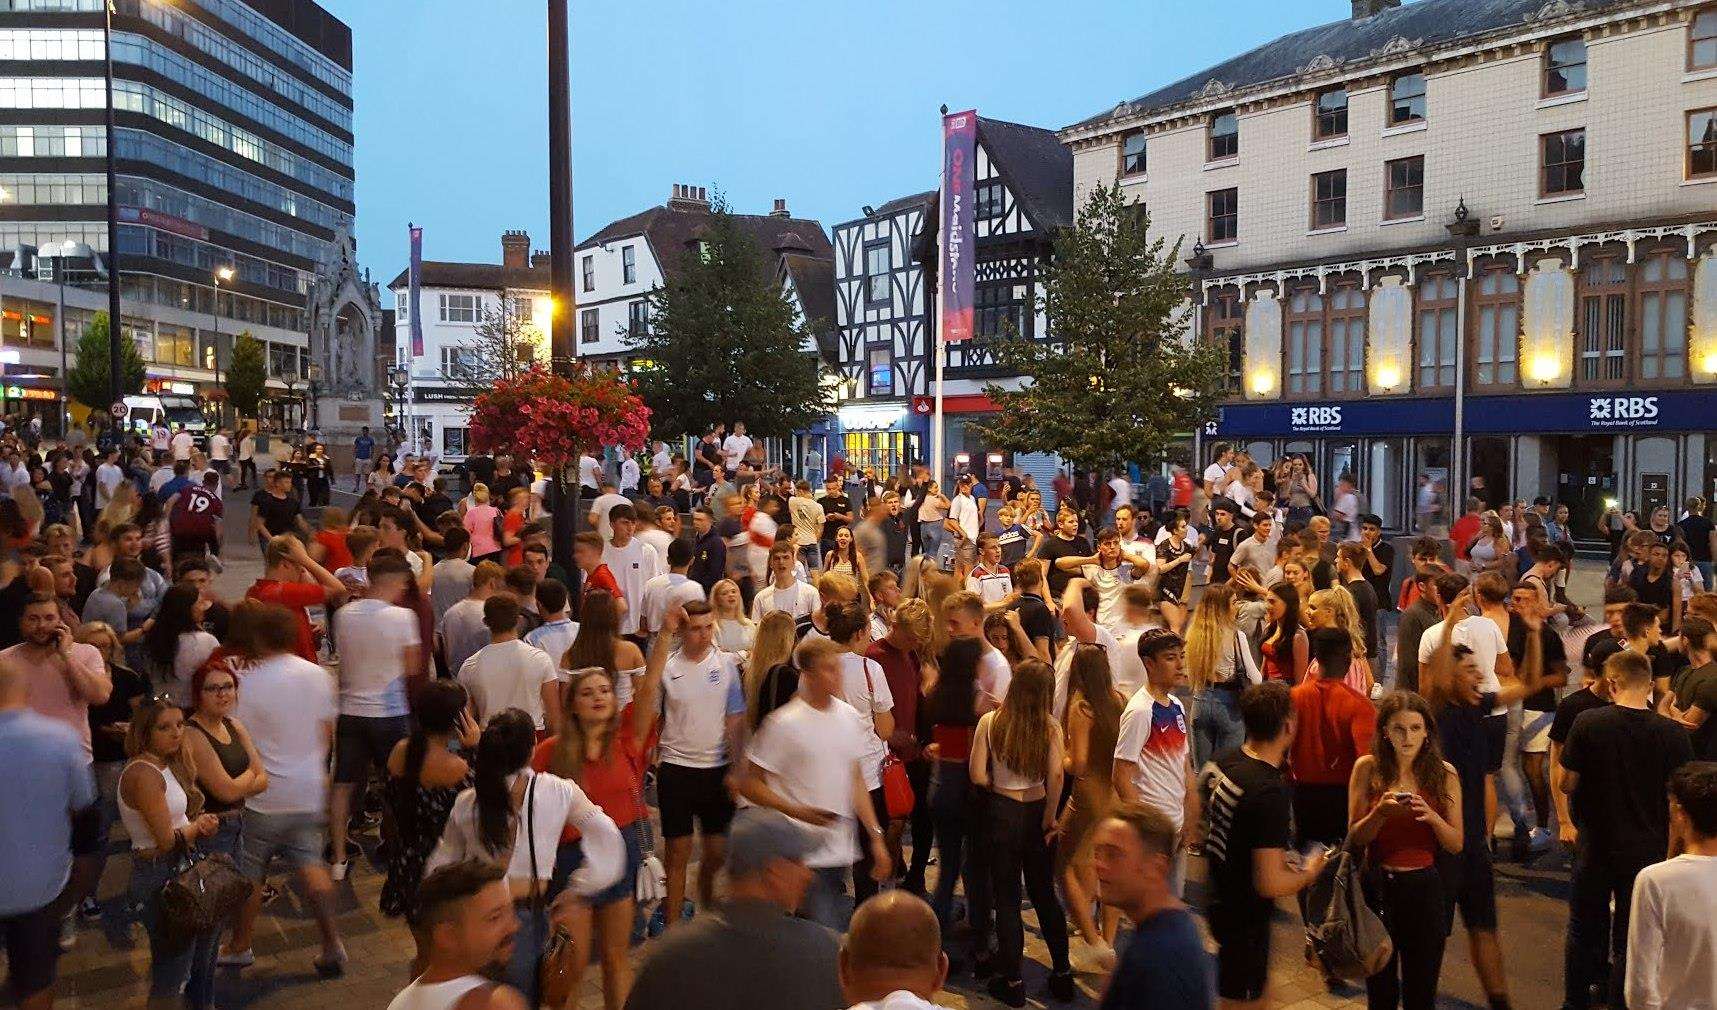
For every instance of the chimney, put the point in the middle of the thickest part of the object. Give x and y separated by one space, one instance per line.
541 259
780 208
1363 9
515 250
687 197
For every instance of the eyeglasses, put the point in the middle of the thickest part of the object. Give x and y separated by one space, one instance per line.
221 688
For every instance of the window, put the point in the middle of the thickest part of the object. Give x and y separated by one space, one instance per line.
629 265
1305 343
1702 144
878 265
1437 312
458 362
637 318
1227 328
988 200
522 307
588 271
1496 311
589 325
1224 136
1330 119
1702 41
1222 216
1407 99
1001 310
1663 316
1602 320
1133 153
453 441
1347 339
881 372
1404 188
1565 67
458 308
1329 199
1563 157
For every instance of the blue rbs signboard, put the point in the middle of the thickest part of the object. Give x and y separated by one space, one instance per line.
1677 410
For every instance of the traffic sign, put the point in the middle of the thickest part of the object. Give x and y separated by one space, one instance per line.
118 408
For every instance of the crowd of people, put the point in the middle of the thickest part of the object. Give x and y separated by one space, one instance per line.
858 706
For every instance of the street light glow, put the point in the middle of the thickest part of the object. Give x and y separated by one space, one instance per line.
225 274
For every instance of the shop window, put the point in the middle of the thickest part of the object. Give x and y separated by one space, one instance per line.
1496 313
453 441
1227 329
1663 316
1346 328
1602 321
1437 330
1304 337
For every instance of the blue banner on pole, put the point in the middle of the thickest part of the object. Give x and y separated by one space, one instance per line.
959 223
415 295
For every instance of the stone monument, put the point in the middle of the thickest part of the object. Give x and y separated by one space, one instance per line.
345 318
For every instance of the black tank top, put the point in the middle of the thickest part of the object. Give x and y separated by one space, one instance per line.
233 757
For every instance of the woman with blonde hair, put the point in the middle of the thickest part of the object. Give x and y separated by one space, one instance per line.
122 507
1018 759
1334 608
1490 549
734 632
770 679
482 521
1219 665
1092 725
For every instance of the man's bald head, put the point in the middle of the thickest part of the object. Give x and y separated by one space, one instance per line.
893 943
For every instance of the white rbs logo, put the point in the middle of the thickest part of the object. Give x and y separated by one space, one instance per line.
1623 408
1315 417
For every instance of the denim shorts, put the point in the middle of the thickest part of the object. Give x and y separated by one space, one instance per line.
294 837
570 856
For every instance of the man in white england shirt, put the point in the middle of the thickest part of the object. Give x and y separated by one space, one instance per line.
784 592
182 444
508 672
632 562
671 589
734 447
1151 751
807 762
1079 604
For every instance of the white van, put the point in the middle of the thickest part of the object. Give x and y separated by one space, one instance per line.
175 410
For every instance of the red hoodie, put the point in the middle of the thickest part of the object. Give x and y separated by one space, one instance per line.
1336 723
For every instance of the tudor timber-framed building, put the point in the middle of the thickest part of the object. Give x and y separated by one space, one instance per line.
1321 173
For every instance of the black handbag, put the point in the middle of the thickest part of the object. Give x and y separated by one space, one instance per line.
203 895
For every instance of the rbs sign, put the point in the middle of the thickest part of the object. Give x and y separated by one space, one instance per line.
1315 418
1623 411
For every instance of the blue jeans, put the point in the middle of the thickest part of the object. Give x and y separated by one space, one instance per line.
826 899
930 535
1388 624
1216 725
175 964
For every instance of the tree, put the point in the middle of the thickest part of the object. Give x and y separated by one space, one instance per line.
247 375
504 346
725 343
90 380
1118 379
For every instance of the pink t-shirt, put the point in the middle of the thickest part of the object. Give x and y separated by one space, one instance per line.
51 693
480 523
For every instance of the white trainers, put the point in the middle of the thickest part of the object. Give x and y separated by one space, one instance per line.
339 869
236 959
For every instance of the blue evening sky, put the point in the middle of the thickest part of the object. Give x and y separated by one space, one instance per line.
832 105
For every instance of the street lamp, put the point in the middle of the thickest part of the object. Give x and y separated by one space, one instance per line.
399 378
315 414
225 273
1462 230
115 327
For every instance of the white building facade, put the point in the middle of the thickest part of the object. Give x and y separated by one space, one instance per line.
1512 205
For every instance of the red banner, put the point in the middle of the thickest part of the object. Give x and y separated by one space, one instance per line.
959 222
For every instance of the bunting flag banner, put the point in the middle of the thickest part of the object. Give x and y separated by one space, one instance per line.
415 297
959 222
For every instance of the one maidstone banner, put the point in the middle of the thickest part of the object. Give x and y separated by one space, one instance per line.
416 292
959 222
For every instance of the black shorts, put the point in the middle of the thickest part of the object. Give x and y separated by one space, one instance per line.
1475 892
1242 954
362 742
32 949
1496 741
693 794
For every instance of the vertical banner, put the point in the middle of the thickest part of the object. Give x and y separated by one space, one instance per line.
415 297
959 222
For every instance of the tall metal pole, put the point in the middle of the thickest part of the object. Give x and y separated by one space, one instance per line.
115 327
562 312
937 346
1462 230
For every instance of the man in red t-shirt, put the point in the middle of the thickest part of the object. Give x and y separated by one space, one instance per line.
283 583
195 519
1467 527
1335 728
587 554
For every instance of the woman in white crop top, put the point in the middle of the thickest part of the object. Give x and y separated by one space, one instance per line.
156 808
1017 756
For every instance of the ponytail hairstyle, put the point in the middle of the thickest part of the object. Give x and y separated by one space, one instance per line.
504 748
439 704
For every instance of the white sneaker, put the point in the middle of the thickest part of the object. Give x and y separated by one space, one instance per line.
238 959
339 869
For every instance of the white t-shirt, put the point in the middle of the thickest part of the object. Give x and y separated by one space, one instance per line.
661 463
993 584
1214 474
463 632
182 445
1108 582
663 593
107 480
1117 667
868 696
798 600
810 754
994 675
1672 936
589 472
194 649
1126 669
632 565
629 474
1347 507
733 449
1153 737
287 705
1479 634
554 637
505 675
600 506
159 479
1123 489
551 804
964 510
370 635
219 448
698 696
658 538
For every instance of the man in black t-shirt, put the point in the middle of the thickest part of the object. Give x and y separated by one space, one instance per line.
1247 827
1222 537
1617 761
1539 709
275 509
1695 688
1035 617
837 511
1654 581
1065 542
1350 572
1697 531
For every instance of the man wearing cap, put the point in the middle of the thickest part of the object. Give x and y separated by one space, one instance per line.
749 952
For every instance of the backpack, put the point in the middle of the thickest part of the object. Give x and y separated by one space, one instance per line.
1348 937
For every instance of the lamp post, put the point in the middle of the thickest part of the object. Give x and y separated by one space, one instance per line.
115 362
225 273
291 382
398 378
1199 264
1462 230
315 413
560 256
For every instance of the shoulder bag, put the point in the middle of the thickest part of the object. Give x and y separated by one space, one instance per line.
1350 940
203 894
556 970
896 785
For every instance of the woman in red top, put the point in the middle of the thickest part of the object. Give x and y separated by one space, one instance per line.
1284 648
1404 803
335 554
512 521
605 749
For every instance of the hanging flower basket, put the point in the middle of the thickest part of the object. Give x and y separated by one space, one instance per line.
552 418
